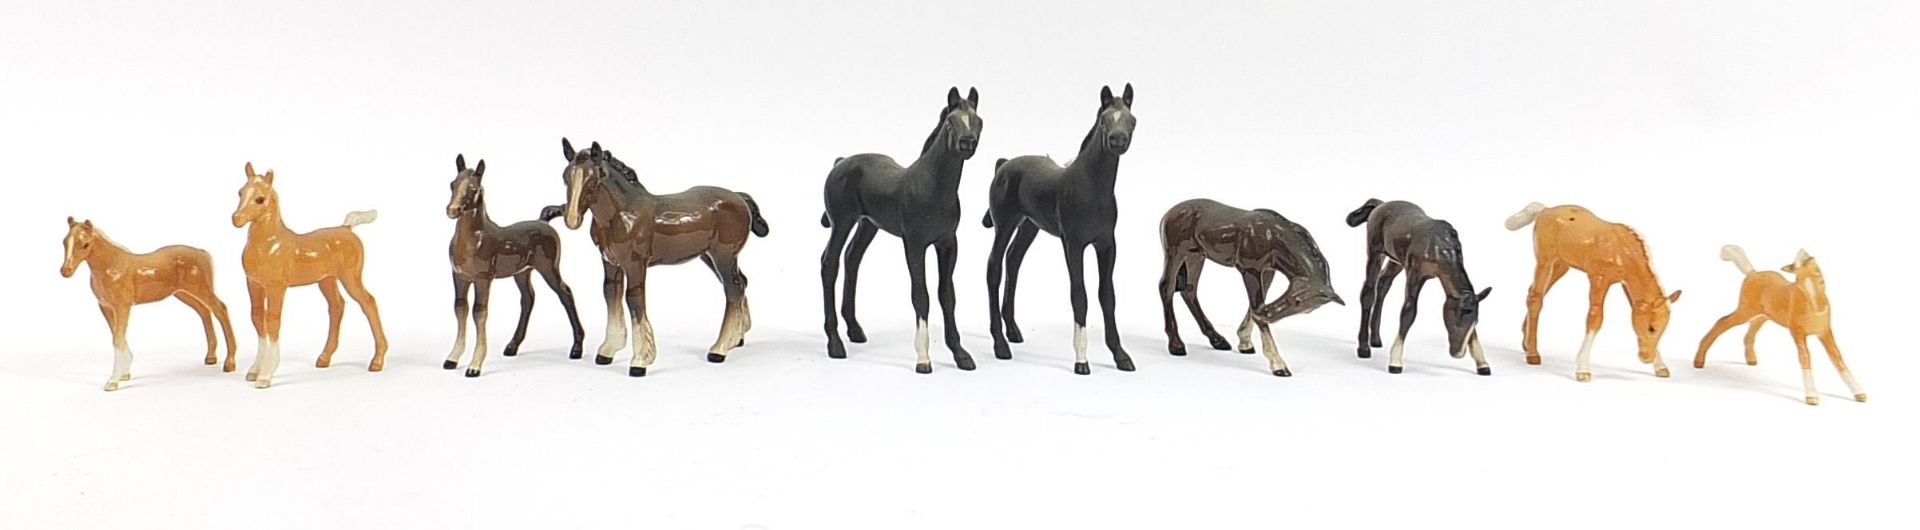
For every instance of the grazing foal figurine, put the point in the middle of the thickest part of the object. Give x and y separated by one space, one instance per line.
1400 237
1800 305
1074 203
1571 237
920 204
645 229
483 251
1258 243
121 279
276 258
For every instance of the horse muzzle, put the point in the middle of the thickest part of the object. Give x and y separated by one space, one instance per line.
1118 144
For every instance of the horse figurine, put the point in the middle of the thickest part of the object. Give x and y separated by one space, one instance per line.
122 279
1074 203
919 203
643 229
1571 237
482 251
276 258
1799 305
1258 243
1401 238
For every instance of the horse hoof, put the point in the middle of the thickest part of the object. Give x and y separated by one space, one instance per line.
1125 364
228 368
1583 376
1860 398
1533 359
1002 352
1375 343
1013 334
1753 362
322 363
923 368
449 365
1177 350
836 350
1485 370
637 371
1699 364
473 372
1813 400
575 353
376 365
510 352
1219 343
965 362
1283 372
739 343
1393 369
212 361
716 358
262 383
1662 372
251 377
112 386
1365 353
856 335
1248 349
602 360
1082 368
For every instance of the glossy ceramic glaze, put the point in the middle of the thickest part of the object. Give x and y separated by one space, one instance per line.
1800 305
1258 243
1403 240
482 251
1571 237
121 279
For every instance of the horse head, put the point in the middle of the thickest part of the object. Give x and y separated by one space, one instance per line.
466 187
1115 125
79 245
257 198
584 168
960 122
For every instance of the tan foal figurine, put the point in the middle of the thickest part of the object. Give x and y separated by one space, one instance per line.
276 258
1800 305
1571 237
122 279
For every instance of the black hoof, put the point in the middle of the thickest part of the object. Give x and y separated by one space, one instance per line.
1177 350
1393 369
1002 352
1125 364
1219 343
1486 370
1375 343
856 335
1013 334
473 372
716 358
602 360
1365 353
1283 372
965 362
449 365
511 351
575 354
1248 350
743 342
923 368
836 350
637 371
1082 368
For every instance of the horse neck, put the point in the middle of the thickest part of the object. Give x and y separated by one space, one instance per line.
1814 288
940 164
1453 279
1100 166
1641 284
268 225
105 252
476 216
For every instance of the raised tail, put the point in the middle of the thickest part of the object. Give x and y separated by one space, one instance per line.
1359 216
1525 217
552 212
759 223
1738 256
359 218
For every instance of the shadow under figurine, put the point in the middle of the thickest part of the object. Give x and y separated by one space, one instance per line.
1402 239
1572 237
1259 243
121 279
1799 305
482 251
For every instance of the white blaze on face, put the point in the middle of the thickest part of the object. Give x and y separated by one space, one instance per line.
70 262
576 181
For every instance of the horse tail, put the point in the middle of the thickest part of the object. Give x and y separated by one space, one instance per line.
1526 216
359 218
552 212
824 221
1359 216
759 223
987 220
1738 256
998 163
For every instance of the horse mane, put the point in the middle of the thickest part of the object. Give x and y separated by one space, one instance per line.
1646 255
1089 138
937 127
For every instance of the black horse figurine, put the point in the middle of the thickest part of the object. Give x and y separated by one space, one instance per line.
1258 243
1401 236
1074 203
920 203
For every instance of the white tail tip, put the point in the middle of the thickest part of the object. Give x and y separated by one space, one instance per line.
1525 217
360 218
1738 256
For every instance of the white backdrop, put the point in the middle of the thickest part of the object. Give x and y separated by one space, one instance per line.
1775 125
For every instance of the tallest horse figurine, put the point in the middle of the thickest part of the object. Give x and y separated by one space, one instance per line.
1074 203
921 204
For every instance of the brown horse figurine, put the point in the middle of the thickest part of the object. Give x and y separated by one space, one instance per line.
1258 243
645 229
122 279
276 258
482 251
1800 305
1610 253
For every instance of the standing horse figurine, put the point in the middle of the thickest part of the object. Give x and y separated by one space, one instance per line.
1074 203
919 203
1258 243
276 258
122 279
644 229
1800 305
1400 237
482 251
1571 237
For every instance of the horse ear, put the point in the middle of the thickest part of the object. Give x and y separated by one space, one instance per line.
1106 96
1482 297
87 224
973 97
480 170
1127 95
1675 297
268 177
566 149
70 221
596 149
953 96
460 162
249 170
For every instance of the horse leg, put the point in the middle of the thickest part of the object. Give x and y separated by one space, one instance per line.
1169 275
1806 367
116 316
948 250
1194 265
707 258
1596 313
1247 323
917 270
1104 250
358 291
1256 293
460 288
272 300
206 324
1408 311
643 345
1076 282
550 271
1388 271
219 310
1833 354
524 281
1719 326
1479 352
482 292
1545 274
996 263
257 299
732 321
613 288
1016 255
1753 331
1370 302
856 251
829 271
336 306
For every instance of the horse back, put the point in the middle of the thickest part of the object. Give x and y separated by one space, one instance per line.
696 220
170 269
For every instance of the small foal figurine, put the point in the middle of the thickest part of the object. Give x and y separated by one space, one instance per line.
1800 305
1570 236
483 251
122 279
276 258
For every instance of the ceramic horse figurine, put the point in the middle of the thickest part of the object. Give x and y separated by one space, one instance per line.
276 258
482 251
1074 203
703 222
919 203
1572 237
1400 237
1800 305
1258 243
122 279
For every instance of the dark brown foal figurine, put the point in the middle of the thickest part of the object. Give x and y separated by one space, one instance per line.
1400 237
1258 243
483 252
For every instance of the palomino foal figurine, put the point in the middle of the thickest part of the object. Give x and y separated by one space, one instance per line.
1800 305
1572 237
276 258
921 204
1400 237
122 279
1258 243
1074 203
483 251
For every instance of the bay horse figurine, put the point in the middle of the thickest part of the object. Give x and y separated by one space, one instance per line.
1074 203
121 279
1572 237
482 251
920 203
1401 239
276 258
1259 243
1800 305
644 229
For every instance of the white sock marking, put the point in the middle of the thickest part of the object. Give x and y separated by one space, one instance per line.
1080 344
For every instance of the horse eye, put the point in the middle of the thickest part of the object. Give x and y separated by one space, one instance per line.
259 200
